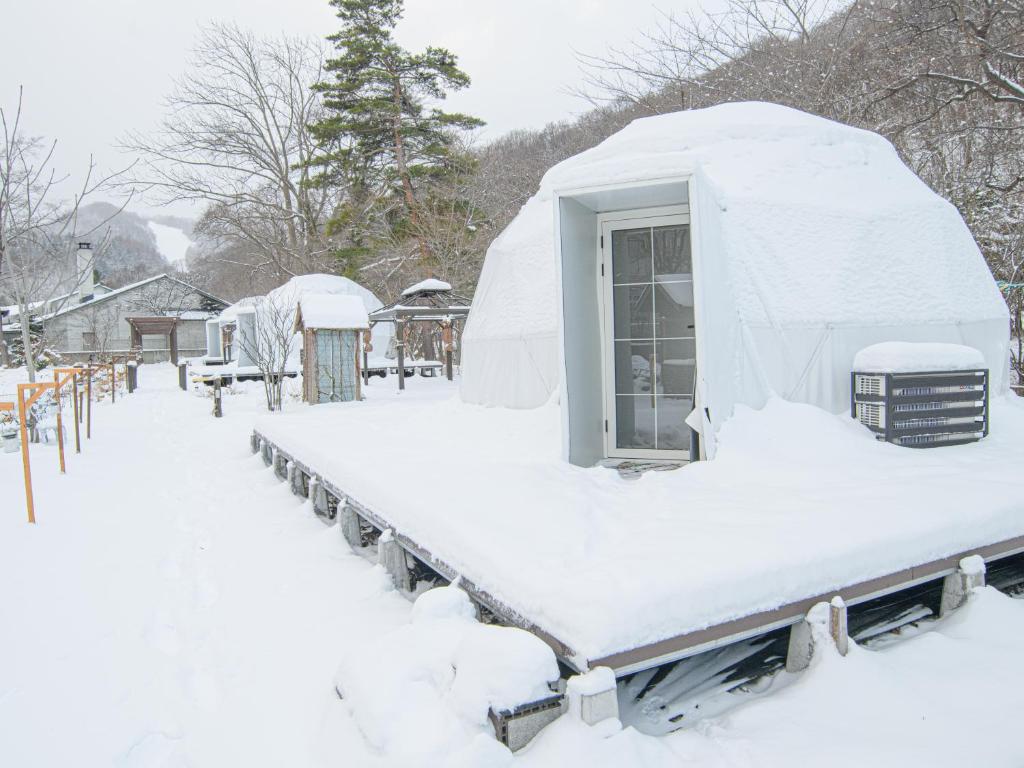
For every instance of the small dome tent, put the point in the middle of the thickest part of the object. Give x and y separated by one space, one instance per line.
296 288
809 240
287 296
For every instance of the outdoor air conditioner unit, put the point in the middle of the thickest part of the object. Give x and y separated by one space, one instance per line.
922 410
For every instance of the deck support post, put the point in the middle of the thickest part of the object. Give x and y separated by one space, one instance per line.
391 555
298 481
830 617
349 522
593 696
318 497
400 349
956 588
837 626
281 463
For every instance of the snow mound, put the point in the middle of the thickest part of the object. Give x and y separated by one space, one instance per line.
907 357
420 695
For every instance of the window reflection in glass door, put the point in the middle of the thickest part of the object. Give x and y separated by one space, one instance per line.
653 339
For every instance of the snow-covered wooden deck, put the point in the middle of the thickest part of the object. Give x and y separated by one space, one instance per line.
798 507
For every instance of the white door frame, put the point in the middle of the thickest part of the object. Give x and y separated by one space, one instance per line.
606 223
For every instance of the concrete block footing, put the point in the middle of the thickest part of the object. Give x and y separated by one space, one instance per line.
281 465
298 481
318 495
348 520
593 696
391 555
957 586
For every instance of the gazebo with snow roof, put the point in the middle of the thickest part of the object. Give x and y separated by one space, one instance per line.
431 301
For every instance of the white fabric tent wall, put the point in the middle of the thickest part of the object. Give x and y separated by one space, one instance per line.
510 345
811 240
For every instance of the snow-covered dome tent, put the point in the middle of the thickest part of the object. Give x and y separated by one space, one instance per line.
289 295
805 241
286 298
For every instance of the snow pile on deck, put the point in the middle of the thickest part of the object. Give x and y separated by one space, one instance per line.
333 311
903 357
811 241
798 503
421 694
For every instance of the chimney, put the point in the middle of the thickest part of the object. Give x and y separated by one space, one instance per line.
85 266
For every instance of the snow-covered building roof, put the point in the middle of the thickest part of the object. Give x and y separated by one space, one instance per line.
116 292
430 284
331 311
810 241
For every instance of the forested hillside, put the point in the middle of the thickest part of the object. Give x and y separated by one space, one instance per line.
126 248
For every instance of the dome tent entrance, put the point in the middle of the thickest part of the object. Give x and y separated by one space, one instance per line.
809 240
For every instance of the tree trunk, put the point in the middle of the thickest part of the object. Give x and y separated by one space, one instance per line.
26 340
5 355
403 174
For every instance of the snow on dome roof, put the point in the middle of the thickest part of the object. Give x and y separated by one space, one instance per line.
430 284
333 311
248 304
909 357
811 240
292 292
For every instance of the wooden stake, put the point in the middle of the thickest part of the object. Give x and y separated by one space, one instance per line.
74 392
27 469
88 406
60 429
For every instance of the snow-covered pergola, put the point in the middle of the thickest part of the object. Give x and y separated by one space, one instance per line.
430 300
155 326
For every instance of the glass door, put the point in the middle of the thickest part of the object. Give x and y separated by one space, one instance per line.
650 347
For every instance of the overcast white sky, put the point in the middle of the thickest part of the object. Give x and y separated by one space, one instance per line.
95 69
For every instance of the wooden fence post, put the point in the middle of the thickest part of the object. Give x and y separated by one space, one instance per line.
25 464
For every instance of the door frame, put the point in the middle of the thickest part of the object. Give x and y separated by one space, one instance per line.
606 223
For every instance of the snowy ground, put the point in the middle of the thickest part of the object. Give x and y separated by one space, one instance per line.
177 606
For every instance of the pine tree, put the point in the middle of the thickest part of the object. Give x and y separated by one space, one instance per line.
386 137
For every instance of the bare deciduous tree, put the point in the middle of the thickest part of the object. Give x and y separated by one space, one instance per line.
38 233
235 138
269 344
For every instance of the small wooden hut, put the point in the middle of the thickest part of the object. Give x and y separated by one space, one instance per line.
331 326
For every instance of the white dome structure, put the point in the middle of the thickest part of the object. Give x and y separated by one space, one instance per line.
806 241
297 287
